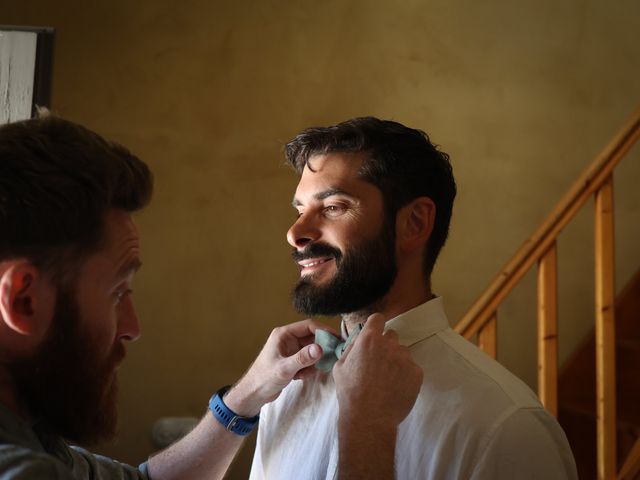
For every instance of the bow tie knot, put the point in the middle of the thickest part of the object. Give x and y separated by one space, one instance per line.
333 347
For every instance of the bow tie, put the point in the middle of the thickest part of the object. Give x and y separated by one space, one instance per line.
332 347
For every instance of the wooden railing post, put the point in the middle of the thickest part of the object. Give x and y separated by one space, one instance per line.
541 247
488 337
548 330
532 250
605 331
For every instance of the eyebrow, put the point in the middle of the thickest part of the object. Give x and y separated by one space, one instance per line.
329 192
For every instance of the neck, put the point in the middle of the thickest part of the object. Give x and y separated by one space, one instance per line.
397 301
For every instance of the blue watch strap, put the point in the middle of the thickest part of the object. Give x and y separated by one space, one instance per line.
232 422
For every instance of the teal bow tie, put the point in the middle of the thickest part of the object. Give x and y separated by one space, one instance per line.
332 347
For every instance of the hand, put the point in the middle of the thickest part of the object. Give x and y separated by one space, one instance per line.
377 382
289 353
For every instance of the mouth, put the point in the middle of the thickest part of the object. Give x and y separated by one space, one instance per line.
118 357
311 265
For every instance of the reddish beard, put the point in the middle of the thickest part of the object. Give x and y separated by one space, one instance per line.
66 385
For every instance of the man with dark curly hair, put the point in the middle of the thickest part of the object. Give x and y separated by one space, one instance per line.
373 203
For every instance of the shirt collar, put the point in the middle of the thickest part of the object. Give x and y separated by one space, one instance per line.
417 324
420 322
35 436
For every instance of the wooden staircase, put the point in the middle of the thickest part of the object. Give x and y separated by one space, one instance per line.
606 443
576 391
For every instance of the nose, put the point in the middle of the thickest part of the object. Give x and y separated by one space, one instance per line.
128 325
303 231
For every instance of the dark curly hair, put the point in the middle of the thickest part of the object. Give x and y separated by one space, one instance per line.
400 161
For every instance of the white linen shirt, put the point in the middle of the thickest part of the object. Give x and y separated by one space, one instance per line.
473 419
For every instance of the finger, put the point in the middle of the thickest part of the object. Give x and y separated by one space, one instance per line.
375 323
304 341
391 334
346 351
307 327
305 357
305 373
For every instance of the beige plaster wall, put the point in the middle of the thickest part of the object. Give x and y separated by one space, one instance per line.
521 94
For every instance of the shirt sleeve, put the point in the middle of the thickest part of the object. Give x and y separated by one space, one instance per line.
18 463
528 444
87 465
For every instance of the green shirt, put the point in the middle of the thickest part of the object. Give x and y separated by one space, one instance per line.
29 452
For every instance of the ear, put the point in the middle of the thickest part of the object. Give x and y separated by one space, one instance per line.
27 299
414 224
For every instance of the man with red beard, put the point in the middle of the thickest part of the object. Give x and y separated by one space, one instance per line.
373 203
68 253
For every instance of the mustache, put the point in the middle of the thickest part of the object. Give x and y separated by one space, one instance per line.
316 250
117 355
114 360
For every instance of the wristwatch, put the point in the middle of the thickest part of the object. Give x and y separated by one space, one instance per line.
232 421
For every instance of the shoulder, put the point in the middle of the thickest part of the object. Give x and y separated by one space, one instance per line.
17 463
527 440
91 466
451 362
466 393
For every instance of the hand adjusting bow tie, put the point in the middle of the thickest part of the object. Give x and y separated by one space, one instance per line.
332 347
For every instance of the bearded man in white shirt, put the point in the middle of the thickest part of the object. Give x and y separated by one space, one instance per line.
374 203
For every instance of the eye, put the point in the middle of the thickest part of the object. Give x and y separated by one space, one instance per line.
120 295
334 210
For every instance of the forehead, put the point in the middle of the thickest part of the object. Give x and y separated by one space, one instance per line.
121 234
331 170
120 250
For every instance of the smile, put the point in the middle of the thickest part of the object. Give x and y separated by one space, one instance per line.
313 262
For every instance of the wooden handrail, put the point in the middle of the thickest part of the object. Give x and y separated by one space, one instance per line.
481 318
533 249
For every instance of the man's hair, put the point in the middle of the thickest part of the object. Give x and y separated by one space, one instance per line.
57 182
400 161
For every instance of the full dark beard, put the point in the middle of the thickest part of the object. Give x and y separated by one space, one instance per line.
365 273
65 386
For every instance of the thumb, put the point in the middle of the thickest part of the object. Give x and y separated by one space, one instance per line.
304 358
375 323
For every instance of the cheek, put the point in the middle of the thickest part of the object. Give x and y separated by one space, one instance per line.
348 234
340 238
98 326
